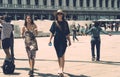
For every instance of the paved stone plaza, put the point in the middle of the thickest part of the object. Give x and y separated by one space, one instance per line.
78 59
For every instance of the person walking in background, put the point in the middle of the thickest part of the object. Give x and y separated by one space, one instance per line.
95 40
78 29
74 29
86 28
82 30
60 30
29 32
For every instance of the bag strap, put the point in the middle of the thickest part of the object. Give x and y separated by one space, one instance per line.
58 25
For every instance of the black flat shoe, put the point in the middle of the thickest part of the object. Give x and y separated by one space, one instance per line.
30 72
60 75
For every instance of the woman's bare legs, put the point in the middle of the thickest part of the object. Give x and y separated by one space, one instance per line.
61 62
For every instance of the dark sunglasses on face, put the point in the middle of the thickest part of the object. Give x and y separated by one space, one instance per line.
59 14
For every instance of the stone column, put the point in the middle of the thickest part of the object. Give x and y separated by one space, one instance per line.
97 4
115 4
64 3
33 16
24 3
103 2
56 3
32 3
48 3
49 16
5 2
109 3
91 3
84 3
15 3
71 3
40 3
15 17
78 3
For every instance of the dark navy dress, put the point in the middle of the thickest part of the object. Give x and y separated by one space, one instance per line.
60 40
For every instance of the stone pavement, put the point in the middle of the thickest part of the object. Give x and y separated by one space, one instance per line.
78 59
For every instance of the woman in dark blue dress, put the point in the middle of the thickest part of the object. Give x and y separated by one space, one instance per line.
60 30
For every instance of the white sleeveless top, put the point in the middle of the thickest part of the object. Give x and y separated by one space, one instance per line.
6 30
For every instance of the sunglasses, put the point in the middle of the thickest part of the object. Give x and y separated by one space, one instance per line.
59 13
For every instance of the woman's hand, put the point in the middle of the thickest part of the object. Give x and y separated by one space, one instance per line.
50 43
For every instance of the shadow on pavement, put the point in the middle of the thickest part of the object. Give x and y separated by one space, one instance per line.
110 62
100 62
44 75
71 75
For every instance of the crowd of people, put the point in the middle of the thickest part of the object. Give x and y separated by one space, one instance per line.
61 33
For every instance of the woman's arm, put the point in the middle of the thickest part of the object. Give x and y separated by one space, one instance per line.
51 36
68 38
23 31
36 30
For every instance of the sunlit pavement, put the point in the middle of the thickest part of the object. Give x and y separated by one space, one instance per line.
78 59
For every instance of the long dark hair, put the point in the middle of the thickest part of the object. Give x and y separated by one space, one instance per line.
32 22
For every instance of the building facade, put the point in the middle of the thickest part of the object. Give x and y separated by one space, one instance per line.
75 9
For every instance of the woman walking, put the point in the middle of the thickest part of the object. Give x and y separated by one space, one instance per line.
29 31
60 30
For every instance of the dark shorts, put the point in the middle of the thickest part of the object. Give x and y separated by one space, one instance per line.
6 43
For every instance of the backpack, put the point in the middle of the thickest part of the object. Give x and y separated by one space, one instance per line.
8 67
